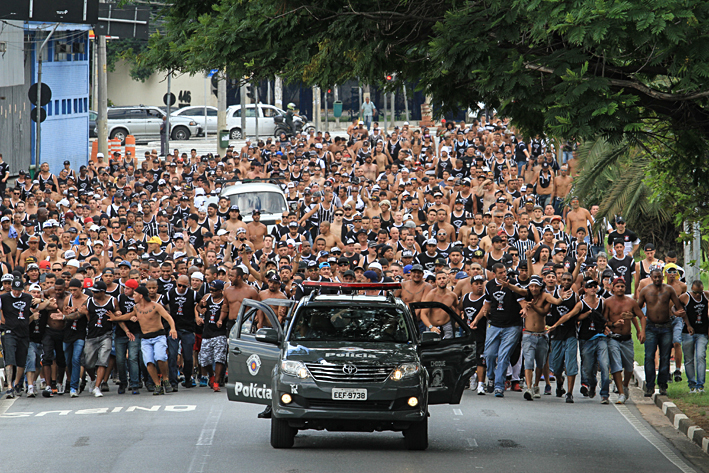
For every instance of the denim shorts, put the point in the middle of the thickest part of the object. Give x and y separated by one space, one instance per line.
677 326
535 348
621 355
154 349
33 354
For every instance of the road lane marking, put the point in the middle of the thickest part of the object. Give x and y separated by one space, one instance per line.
206 438
94 411
5 404
660 446
472 443
457 412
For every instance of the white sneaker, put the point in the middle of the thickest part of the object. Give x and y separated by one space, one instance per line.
536 392
97 392
621 399
700 391
693 391
481 388
60 388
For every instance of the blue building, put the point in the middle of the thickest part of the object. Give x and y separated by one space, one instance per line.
66 70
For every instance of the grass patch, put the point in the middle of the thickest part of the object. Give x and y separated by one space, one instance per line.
695 406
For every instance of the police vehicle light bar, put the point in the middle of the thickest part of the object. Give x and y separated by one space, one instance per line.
355 285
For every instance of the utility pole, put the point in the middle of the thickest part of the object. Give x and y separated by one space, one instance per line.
167 121
221 110
205 107
406 103
393 110
269 95
101 119
278 92
336 97
315 107
692 252
385 111
327 122
38 105
257 109
242 92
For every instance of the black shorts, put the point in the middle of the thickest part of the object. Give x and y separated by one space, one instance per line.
53 347
15 349
479 346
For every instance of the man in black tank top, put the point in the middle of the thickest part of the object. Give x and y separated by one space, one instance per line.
470 306
695 336
564 344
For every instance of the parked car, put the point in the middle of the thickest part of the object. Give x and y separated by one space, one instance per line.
197 114
92 124
266 125
144 123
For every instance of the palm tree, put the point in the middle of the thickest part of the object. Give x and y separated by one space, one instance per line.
612 176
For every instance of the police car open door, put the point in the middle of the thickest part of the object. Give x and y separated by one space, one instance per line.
451 361
251 361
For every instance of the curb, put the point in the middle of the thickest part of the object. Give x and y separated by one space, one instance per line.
678 419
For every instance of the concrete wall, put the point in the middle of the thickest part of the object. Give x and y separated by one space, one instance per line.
188 90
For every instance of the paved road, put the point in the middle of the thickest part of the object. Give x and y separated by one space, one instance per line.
200 431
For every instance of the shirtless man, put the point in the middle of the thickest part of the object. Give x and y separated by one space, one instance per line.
620 310
255 231
438 320
535 344
33 250
577 217
273 292
678 323
658 329
563 183
415 289
235 294
330 238
234 223
153 341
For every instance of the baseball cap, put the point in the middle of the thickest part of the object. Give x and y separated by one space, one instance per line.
156 240
197 275
375 265
217 285
536 280
478 278
417 267
132 283
100 286
17 284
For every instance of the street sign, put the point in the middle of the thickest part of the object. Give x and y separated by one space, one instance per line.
212 72
127 22
51 11
46 94
42 115
173 99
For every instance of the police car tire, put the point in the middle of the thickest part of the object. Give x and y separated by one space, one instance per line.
416 436
282 434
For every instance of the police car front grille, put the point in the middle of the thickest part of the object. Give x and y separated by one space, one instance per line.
350 405
336 373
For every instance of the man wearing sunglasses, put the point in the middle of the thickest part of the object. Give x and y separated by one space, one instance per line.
181 301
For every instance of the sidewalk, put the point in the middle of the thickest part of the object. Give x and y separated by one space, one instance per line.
680 421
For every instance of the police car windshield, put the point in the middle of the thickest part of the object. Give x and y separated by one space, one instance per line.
351 324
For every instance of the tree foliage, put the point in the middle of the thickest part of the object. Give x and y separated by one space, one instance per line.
128 50
631 71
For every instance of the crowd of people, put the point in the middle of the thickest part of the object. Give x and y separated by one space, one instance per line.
121 270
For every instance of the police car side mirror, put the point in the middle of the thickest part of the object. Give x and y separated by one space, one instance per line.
267 335
428 338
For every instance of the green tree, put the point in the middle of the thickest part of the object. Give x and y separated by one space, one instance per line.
129 50
612 176
629 71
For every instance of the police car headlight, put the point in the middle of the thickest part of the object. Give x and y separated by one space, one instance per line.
407 370
193 123
295 368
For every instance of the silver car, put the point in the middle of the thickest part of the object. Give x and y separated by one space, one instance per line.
144 123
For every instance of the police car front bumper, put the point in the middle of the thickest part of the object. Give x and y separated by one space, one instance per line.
386 407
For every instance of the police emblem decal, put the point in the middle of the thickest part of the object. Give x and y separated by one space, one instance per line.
253 364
